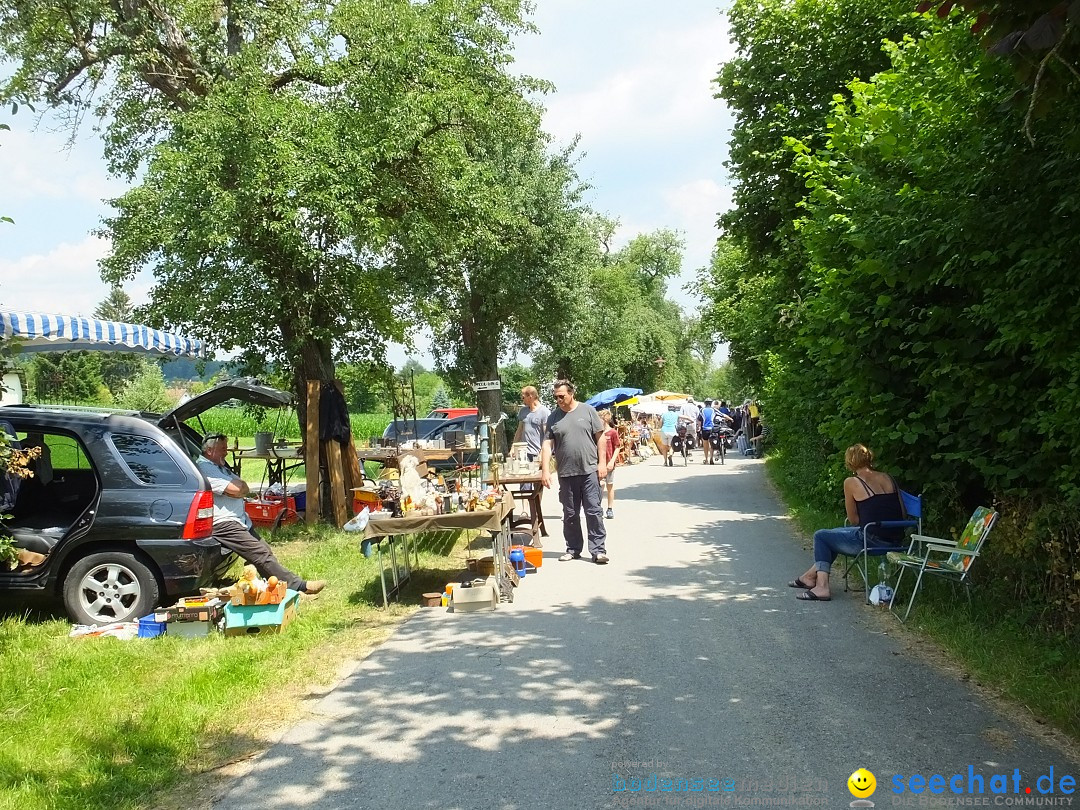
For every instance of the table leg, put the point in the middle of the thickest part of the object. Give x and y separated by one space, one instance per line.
394 566
382 573
405 551
537 513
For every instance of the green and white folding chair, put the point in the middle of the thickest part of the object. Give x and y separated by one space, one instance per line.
935 556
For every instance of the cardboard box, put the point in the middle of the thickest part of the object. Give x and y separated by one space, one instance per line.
254 620
478 597
210 612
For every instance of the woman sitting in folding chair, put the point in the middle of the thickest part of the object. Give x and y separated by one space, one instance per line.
870 496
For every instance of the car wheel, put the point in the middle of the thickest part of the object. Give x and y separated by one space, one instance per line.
109 586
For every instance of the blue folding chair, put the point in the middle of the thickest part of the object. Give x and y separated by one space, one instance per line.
913 509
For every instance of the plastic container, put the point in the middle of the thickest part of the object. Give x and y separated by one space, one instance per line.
534 557
366 497
517 559
149 627
264 513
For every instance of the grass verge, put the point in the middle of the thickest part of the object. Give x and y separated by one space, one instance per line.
102 723
1038 670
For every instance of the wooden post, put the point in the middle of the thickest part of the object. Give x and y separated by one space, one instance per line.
313 513
337 481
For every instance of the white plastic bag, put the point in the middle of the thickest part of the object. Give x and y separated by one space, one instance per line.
360 522
881 594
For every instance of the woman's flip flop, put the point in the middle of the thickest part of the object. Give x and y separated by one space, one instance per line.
810 596
798 583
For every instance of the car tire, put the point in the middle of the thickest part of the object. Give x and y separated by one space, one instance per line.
109 586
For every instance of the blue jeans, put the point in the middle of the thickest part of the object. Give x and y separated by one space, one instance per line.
579 493
828 543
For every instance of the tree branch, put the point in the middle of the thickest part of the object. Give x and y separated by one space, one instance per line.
1052 53
1069 65
296 73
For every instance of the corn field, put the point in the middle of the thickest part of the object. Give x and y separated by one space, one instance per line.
242 422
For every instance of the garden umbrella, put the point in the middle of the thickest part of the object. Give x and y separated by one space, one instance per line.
612 395
664 395
655 408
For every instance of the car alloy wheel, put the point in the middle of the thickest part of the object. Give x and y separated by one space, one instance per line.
109 586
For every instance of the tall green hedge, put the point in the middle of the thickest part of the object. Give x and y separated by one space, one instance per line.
937 314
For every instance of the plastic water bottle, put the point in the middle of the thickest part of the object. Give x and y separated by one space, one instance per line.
882 573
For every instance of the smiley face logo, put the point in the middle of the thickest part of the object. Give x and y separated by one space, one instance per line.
862 784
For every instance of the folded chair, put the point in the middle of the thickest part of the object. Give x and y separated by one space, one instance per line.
913 510
951 559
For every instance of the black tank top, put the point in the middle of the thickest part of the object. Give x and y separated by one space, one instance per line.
881 506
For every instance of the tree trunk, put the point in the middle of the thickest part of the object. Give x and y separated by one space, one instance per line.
481 348
312 360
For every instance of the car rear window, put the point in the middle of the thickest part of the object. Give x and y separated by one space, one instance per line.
147 460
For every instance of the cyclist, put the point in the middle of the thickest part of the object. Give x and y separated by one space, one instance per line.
690 413
708 415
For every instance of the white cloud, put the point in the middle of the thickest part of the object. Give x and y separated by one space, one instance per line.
664 91
65 280
43 165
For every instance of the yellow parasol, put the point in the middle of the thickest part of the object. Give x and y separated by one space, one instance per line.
662 395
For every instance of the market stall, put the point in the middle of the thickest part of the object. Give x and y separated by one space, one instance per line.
526 488
45 332
397 532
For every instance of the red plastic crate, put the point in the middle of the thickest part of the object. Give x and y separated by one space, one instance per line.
264 513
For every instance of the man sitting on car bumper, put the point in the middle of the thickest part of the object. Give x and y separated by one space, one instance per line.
232 526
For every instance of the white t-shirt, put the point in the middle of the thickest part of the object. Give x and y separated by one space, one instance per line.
226 507
690 410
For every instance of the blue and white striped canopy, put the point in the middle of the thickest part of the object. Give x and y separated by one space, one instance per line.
39 332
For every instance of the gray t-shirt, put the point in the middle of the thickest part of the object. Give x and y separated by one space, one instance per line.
226 508
573 436
534 424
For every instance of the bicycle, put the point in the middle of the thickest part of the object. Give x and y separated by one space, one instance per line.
680 443
719 439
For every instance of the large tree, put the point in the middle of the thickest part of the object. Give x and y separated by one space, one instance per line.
119 368
509 264
792 59
289 153
622 324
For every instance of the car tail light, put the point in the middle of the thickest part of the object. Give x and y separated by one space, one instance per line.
200 519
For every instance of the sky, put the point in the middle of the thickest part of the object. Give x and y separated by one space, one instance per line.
633 80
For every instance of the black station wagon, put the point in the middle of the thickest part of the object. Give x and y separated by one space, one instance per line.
116 505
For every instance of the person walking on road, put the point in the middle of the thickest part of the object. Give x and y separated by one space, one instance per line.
532 422
668 426
690 413
708 414
611 439
573 436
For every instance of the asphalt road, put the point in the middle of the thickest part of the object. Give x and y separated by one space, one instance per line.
686 657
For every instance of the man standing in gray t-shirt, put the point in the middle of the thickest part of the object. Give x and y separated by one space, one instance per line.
532 422
573 436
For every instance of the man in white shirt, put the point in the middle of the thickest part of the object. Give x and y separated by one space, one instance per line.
232 526
690 413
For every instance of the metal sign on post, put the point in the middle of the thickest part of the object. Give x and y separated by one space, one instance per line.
487 385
